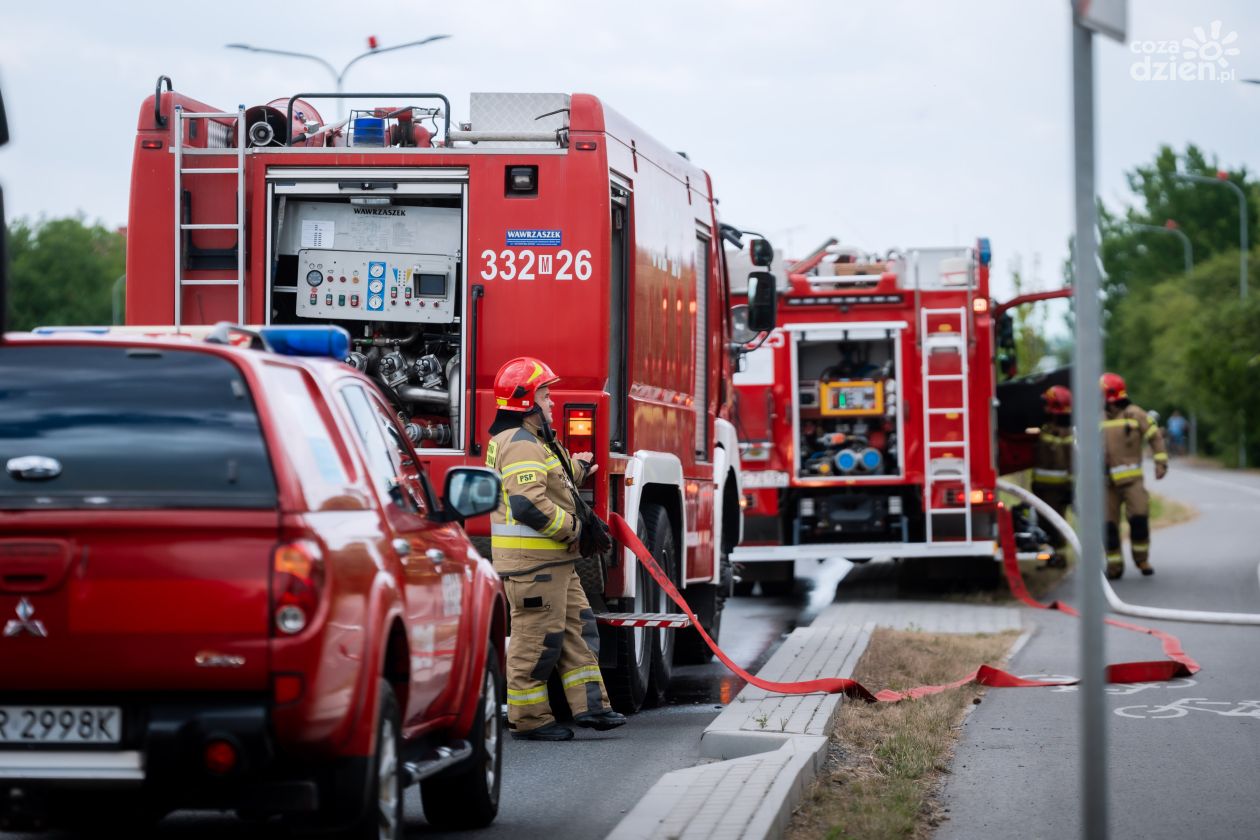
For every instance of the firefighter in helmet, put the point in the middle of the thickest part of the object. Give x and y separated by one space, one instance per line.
1052 473
534 541
1126 430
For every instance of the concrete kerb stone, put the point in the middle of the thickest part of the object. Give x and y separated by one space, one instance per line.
774 745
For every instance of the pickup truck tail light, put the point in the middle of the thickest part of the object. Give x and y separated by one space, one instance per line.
579 428
297 580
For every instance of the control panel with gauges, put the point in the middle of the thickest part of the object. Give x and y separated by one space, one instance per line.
415 288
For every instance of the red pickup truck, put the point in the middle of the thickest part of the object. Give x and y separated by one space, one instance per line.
225 582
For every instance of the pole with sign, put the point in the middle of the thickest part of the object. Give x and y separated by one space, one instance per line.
1107 17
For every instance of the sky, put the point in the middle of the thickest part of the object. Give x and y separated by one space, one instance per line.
886 124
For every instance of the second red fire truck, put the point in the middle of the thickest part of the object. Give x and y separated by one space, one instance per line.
866 418
547 225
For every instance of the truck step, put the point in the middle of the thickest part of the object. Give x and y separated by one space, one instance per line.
434 762
643 619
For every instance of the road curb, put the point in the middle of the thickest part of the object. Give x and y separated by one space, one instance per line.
771 746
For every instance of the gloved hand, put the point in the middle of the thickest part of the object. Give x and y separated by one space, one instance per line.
594 538
1161 469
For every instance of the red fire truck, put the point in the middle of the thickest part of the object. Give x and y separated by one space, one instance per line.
546 224
866 418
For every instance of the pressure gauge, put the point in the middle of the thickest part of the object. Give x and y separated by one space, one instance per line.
376 269
314 278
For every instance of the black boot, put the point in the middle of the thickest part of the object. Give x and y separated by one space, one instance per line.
551 732
602 721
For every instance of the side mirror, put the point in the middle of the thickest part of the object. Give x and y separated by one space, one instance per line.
740 334
471 491
760 252
762 299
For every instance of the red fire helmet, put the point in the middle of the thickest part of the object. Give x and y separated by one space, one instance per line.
1058 400
518 380
1113 387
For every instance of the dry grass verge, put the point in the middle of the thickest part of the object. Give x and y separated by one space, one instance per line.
886 760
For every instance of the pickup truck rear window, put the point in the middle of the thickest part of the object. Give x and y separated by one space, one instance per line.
138 427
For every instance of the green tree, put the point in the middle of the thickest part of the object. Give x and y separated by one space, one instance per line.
1184 342
61 271
1137 261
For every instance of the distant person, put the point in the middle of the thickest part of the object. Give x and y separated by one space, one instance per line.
1126 430
1178 430
1052 471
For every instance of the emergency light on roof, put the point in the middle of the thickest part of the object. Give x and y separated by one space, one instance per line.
330 341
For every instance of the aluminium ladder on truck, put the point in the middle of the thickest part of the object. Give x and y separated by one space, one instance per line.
943 335
181 226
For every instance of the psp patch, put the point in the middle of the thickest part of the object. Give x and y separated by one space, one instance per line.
527 478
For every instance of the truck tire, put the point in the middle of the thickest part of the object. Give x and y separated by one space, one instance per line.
381 816
467 796
659 538
627 682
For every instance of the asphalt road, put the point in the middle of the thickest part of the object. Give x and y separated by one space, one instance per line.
582 788
1184 757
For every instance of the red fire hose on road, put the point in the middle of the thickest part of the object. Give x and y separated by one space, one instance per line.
1178 663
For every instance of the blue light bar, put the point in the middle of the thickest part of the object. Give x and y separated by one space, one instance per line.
330 341
59 330
986 253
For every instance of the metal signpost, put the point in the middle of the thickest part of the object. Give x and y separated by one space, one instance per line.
1107 17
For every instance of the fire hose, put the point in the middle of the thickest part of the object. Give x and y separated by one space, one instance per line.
984 675
1178 663
1117 605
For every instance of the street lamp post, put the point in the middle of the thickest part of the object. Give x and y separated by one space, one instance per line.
1170 227
1223 178
338 77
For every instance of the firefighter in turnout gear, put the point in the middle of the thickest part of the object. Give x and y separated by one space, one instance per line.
1052 473
534 542
1126 430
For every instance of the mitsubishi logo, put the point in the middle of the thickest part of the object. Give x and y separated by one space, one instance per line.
24 623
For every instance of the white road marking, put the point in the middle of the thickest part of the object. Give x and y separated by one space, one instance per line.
1186 705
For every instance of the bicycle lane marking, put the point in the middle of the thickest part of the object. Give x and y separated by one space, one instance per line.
1185 705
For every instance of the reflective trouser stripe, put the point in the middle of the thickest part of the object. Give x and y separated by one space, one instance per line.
1048 438
578 676
1123 471
527 697
1115 558
529 543
1052 476
1145 546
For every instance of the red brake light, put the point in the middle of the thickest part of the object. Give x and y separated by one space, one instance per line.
586 145
150 144
297 580
221 756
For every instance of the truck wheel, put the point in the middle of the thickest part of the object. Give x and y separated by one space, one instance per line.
468 796
381 817
659 538
627 683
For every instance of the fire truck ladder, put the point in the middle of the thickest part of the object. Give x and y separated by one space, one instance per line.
949 337
181 227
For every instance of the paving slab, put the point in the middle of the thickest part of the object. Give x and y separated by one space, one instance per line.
770 746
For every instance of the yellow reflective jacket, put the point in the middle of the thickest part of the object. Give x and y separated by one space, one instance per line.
1054 455
536 522
1124 432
